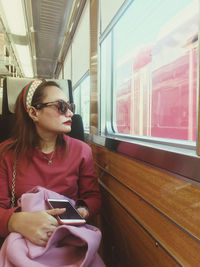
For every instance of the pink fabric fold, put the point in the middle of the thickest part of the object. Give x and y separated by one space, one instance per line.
68 246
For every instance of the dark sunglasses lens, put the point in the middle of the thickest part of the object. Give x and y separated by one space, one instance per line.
62 107
72 107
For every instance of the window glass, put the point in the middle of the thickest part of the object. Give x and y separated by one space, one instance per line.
155 69
68 65
80 61
108 11
82 101
85 103
105 79
76 96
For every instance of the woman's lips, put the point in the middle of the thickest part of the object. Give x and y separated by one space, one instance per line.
68 122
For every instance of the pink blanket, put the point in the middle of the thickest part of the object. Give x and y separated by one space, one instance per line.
68 246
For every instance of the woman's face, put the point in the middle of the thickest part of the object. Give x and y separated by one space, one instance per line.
49 119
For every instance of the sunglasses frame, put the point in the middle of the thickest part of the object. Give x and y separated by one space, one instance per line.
61 105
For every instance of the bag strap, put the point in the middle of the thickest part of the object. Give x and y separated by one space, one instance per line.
13 185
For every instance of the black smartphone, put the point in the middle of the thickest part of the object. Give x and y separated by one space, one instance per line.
70 216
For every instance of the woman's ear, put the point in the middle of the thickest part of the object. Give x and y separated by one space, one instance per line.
33 113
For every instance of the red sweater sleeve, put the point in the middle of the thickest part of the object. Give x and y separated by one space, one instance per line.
88 183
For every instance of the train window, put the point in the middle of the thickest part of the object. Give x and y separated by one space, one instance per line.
68 65
108 10
105 79
77 99
82 101
154 70
76 64
85 102
80 61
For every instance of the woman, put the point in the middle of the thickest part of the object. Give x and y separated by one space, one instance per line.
42 155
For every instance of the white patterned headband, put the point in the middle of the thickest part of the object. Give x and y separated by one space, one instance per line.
29 92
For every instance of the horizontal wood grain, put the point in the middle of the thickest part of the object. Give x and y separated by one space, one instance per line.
129 243
177 242
175 198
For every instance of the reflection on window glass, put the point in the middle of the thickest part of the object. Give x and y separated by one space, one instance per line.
155 69
76 95
105 73
1 99
82 101
85 102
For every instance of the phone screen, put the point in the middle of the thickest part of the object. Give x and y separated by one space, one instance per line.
71 214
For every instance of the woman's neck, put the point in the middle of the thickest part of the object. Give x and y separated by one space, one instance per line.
47 144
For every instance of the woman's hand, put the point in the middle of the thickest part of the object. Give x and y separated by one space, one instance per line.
83 212
36 226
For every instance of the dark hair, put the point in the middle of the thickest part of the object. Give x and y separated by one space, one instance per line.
24 136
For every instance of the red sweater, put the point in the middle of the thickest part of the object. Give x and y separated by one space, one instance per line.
72 175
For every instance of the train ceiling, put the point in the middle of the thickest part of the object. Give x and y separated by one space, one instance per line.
50 26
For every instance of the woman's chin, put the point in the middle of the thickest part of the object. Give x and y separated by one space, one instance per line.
67 129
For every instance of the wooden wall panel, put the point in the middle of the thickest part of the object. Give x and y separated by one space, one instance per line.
165 232
131 245
177 199
165 207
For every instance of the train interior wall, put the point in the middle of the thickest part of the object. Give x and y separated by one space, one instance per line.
149 217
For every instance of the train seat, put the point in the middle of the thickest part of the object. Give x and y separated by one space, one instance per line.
11 88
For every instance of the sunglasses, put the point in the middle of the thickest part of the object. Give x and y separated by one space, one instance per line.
61 105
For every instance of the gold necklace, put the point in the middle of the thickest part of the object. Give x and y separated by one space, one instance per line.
49 159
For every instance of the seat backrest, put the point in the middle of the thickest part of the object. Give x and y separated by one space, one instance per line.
77 128
11 89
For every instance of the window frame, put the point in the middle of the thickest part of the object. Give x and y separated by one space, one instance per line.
185 147
177 156
75 87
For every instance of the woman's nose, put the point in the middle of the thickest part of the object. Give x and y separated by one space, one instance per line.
69 113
